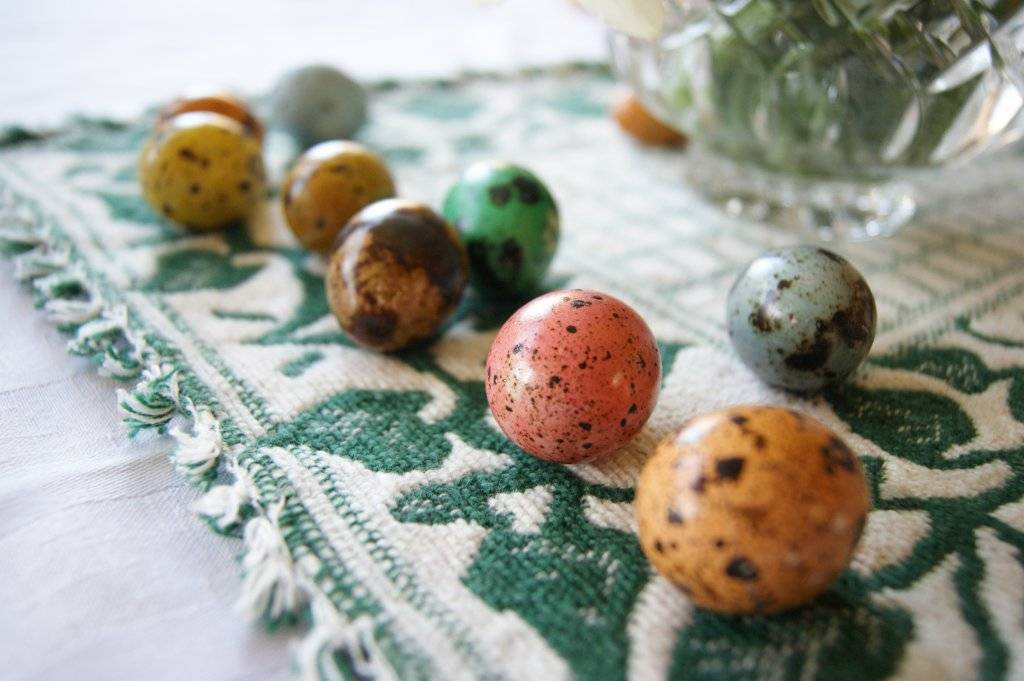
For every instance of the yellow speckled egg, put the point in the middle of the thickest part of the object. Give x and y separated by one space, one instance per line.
202 170
329 184
214 101
751 509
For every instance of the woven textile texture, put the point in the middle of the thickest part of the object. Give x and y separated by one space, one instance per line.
376 499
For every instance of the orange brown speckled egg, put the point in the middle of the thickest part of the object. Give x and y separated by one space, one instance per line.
636 121
573 375
396 275
329 184
222 103
751 509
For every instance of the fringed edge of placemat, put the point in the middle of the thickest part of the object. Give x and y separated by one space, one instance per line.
276 587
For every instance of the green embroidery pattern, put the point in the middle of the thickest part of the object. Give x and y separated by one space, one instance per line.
380 505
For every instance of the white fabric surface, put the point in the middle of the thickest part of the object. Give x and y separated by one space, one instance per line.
104 571
113 57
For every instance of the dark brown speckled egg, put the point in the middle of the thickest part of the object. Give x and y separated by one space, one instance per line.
397 273
751 509
573 375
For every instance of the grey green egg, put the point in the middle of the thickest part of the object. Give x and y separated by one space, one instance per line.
801 318
509 223
316 103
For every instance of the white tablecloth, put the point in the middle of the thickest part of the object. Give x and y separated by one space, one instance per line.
113 57
104 572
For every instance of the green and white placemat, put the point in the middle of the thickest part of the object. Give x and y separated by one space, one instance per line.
377 500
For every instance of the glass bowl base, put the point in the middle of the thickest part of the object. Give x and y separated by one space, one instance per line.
827 209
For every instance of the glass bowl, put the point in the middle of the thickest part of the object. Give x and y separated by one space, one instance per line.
821 114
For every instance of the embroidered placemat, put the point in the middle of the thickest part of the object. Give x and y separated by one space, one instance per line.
377 500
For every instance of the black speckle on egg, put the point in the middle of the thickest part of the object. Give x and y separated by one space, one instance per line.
812 355
730 468
529 191
761 318
855 324
499 194
742 569
838 455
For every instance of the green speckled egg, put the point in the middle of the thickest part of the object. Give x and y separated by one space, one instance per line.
317 103
801 318
509 222
203 170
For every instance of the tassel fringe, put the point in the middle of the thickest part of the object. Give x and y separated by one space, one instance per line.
274 587
270 588
153 402
198 452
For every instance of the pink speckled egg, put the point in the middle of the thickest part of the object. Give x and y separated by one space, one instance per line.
573 375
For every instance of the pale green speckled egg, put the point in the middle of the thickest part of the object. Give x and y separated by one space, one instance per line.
316 103
801 318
